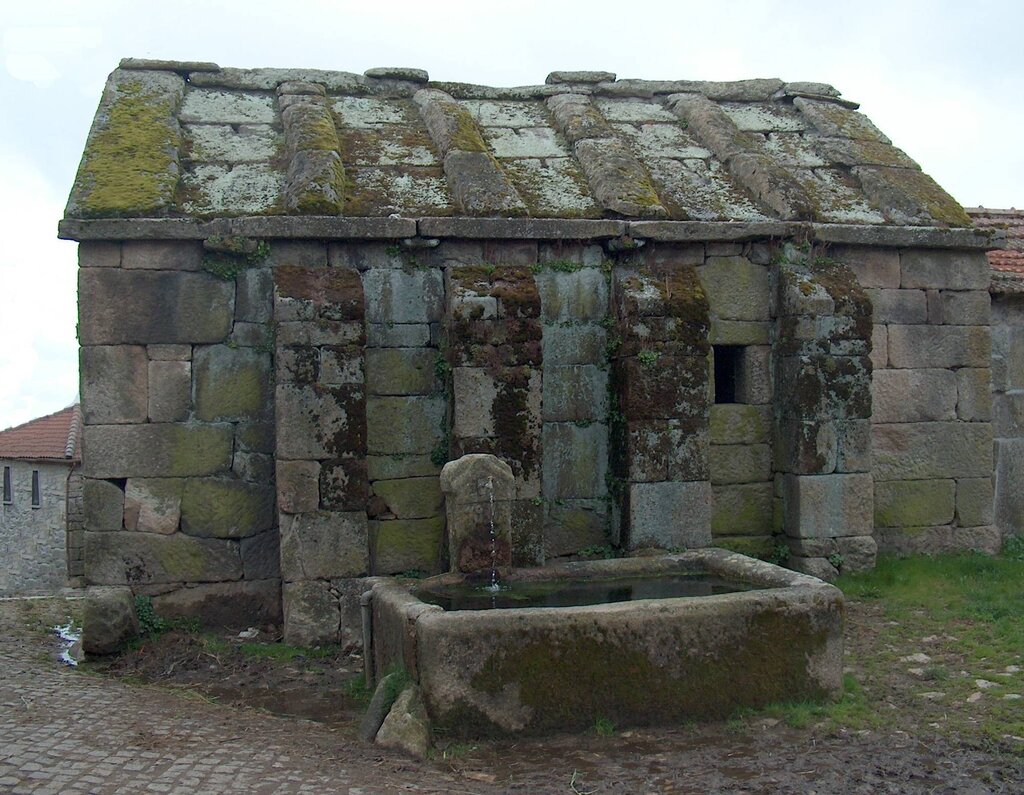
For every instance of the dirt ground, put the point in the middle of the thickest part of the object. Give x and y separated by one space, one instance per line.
918 743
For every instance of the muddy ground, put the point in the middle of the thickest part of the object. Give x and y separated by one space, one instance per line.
923 736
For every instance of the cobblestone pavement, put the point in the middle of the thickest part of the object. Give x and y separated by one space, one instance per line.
62 731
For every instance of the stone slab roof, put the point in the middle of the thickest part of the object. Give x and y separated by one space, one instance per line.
54 437
193 141
1007 264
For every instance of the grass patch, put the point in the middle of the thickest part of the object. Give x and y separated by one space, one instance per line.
964 612
359 692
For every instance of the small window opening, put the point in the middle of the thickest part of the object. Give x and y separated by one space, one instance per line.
8 493
35 488
727 370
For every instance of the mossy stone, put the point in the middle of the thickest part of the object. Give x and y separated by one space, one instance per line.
231 383
912 503
130 163
401 545
742 509
223 508
736 423
157 450
762 546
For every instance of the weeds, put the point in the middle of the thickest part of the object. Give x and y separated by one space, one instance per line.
604 727
149 622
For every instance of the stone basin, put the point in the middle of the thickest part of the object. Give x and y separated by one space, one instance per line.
536 670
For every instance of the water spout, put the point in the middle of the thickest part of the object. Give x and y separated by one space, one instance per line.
479 491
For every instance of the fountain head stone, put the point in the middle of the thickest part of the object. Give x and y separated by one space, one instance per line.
478 492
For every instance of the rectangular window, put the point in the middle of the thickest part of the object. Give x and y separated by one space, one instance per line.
35 488
728 359
8 493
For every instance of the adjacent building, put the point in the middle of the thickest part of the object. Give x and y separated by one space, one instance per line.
40 515
1007 291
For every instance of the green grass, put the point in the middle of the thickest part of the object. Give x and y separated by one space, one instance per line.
965 612
971 606
950 589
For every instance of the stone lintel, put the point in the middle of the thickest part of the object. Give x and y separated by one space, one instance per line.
315 227
341 228
715 231
520 228
910 236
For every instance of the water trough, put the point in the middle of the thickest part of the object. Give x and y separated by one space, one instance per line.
646 661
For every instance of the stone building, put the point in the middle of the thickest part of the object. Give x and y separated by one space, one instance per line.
1007 290
41 535
685 313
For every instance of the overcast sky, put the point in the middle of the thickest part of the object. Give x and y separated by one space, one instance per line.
944 80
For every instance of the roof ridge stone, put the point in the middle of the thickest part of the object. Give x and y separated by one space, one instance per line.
157 65
579 77
408 74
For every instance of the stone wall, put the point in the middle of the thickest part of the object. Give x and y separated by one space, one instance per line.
931 432
660 374
280 413
321 441
822 414
75 530
1008 411
736 281
33 539
177 400
573 282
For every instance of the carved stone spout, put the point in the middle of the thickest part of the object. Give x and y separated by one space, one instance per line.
478 491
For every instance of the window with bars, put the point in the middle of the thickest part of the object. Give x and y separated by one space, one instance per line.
8 492
35 488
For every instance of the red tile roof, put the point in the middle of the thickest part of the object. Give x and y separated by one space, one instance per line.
1012 257
53 437
1007 264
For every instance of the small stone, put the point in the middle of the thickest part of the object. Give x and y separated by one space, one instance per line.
985 684
407 727
381 703
1012 697
916 658
932 695
974 698
109 620
1012 669
916 671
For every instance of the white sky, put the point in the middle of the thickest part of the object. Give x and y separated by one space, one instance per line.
944 80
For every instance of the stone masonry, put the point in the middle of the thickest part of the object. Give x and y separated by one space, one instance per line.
660 375
33 538
931 424
1008 411
321 408
178 444
822 414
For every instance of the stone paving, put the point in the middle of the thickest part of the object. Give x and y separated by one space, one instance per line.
64 731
